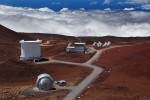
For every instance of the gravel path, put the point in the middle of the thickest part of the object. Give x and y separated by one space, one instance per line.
77 90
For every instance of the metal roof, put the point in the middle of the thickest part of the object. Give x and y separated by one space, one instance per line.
23 41
70 47
79 43
44 82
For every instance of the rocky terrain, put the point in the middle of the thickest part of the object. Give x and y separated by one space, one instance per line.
126 76
126 63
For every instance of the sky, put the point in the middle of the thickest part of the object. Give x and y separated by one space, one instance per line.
123 18
57 5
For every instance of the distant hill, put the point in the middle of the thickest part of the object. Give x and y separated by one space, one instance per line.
10 36
7 35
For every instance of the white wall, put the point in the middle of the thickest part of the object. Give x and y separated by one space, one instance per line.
30 49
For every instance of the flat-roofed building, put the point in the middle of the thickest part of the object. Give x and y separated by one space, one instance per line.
30 50
77 47
70 49
80 47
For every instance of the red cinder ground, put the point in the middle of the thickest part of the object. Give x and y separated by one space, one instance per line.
8 50
126 77
17 76
54 49
129 68
57 51
74 57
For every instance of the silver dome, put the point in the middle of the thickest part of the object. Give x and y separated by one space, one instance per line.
44 82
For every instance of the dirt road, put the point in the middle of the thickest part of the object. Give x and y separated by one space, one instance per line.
88 80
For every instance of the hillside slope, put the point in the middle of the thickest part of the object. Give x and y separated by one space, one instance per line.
7 35
127 77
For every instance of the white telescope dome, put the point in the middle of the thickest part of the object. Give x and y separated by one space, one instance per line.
44 82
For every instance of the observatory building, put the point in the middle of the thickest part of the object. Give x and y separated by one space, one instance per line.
30 50
77 47
44 82
70 49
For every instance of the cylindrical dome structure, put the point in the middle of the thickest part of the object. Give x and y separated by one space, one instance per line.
30 49
44 82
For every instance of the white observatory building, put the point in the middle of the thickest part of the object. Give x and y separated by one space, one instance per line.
30 50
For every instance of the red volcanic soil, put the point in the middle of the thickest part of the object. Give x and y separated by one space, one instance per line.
51 37
54 49
8 51
127 75
74 57
14 72
18 76
128 79
57 51
9 36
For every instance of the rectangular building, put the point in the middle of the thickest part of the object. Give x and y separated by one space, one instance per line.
77 47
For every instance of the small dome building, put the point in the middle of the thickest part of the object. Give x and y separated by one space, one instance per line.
44 82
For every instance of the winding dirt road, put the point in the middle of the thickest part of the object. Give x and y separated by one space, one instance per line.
77 90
